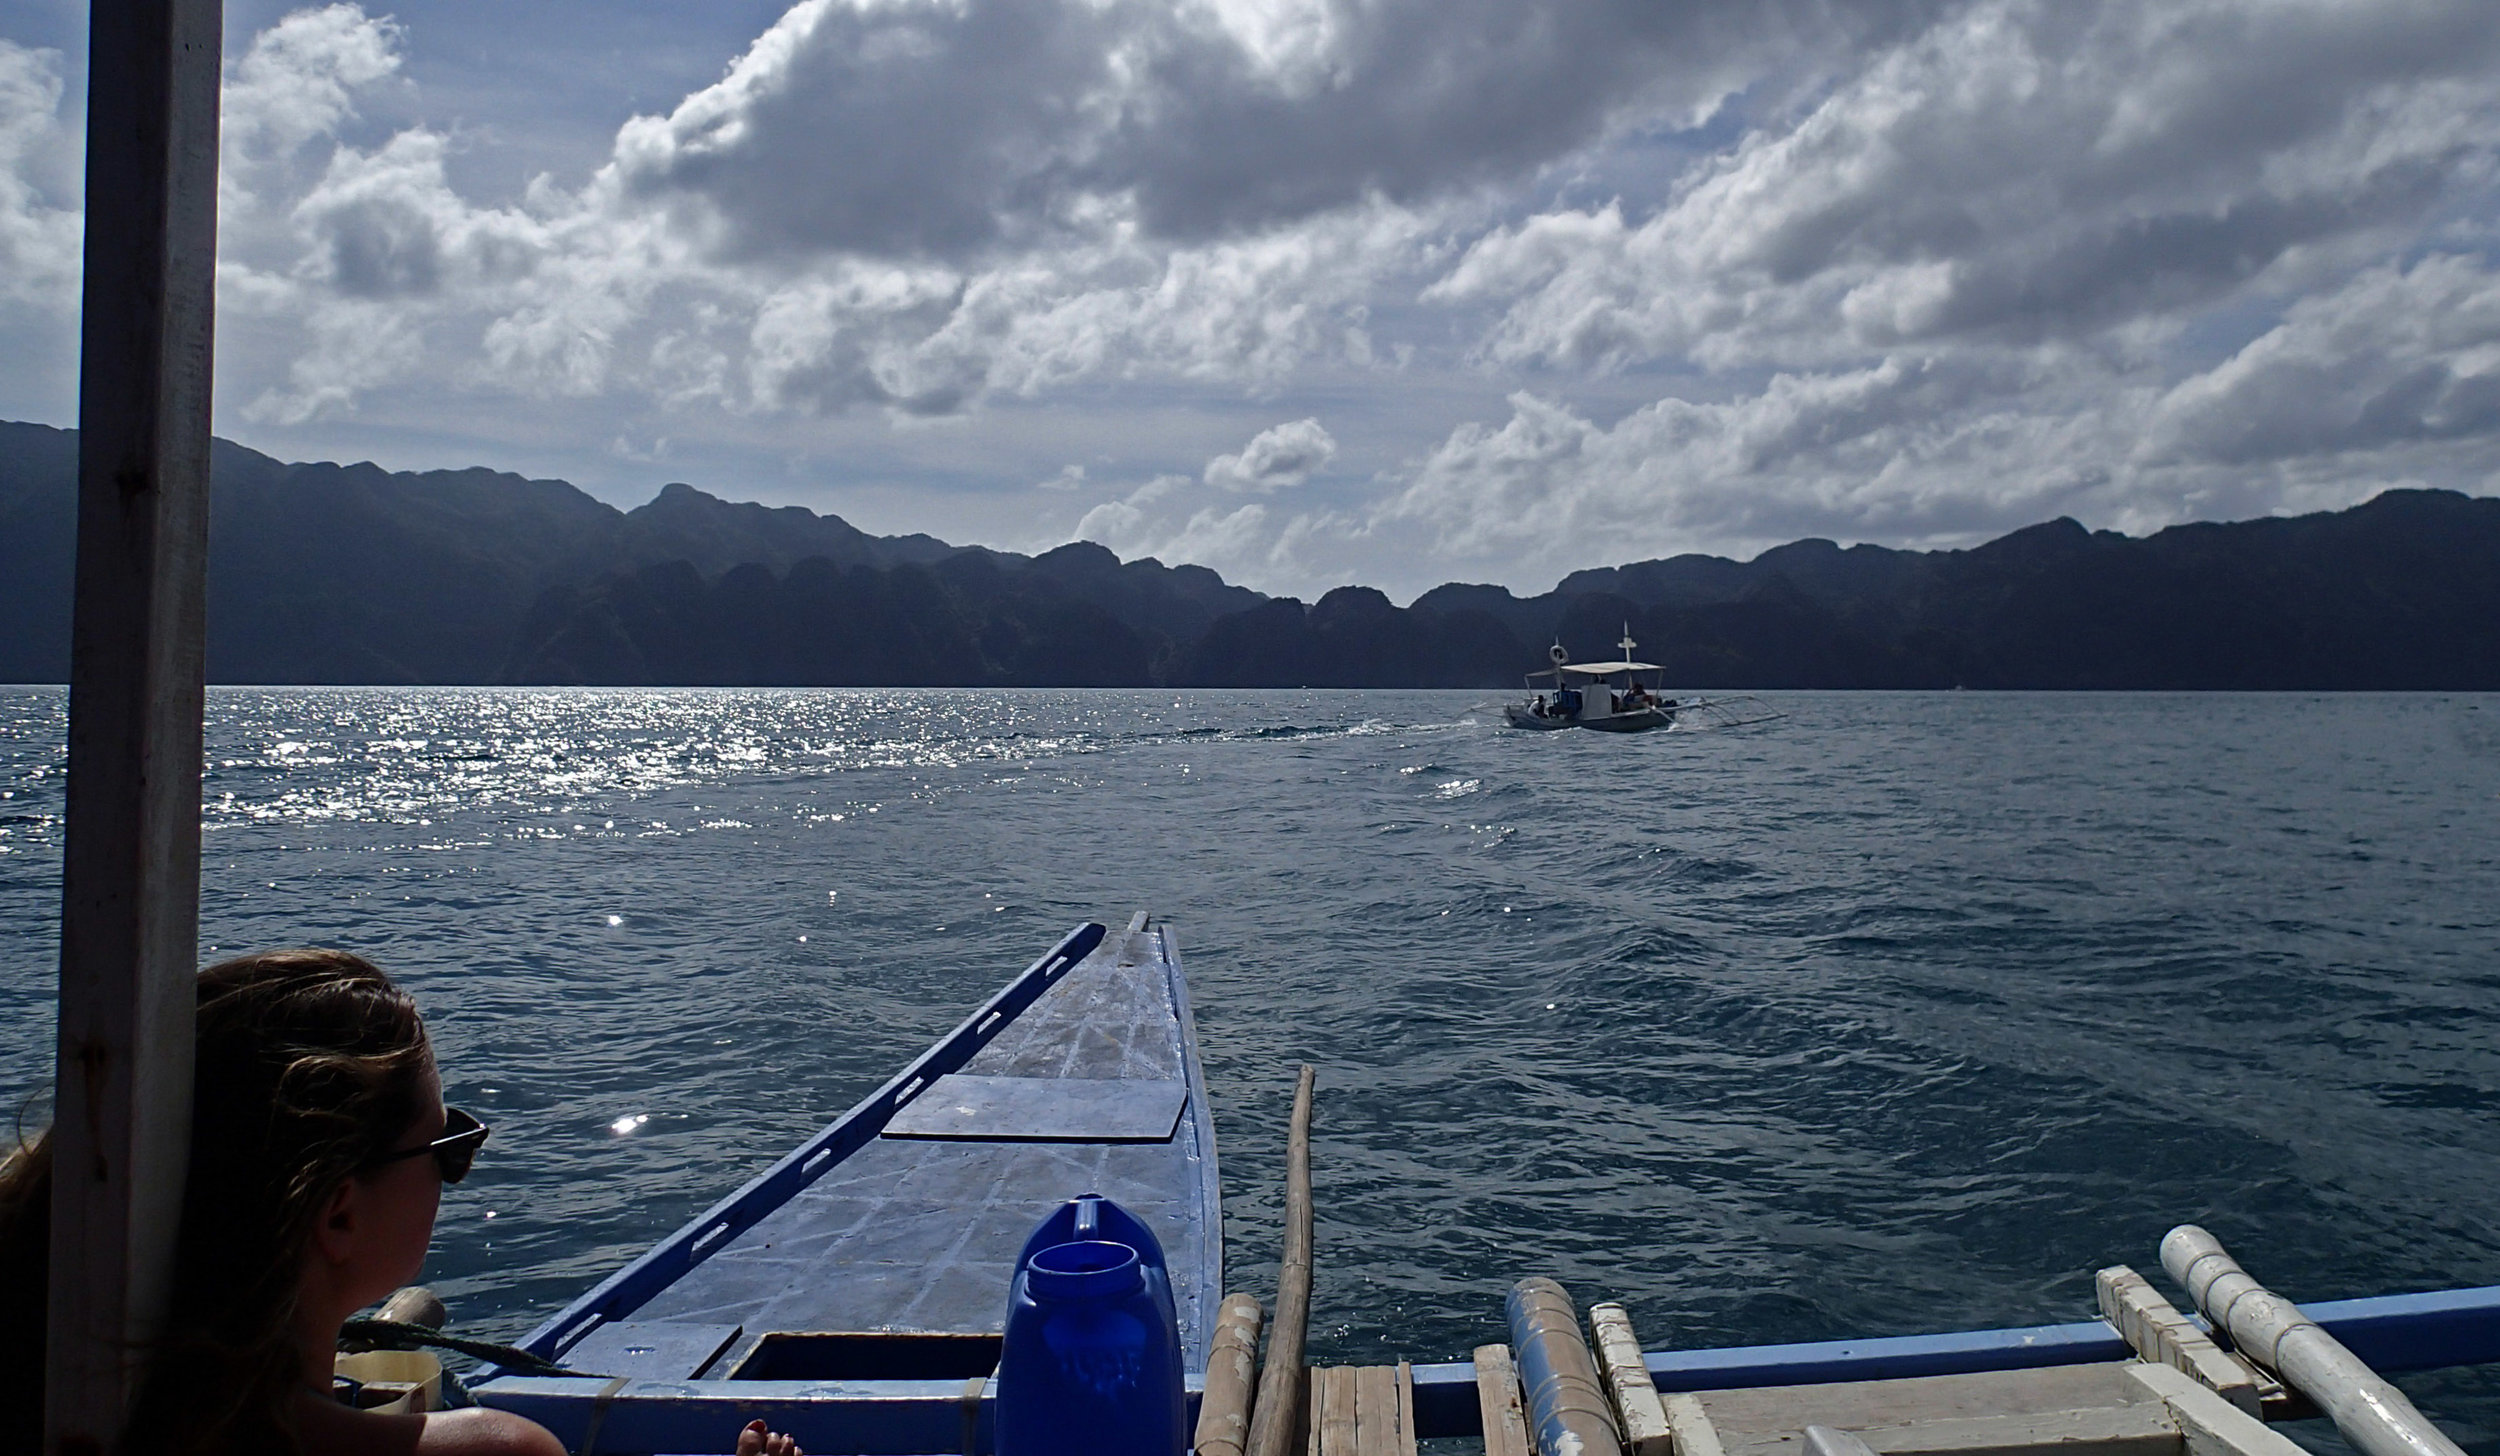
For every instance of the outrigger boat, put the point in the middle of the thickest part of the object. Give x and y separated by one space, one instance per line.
1611 697
853 1294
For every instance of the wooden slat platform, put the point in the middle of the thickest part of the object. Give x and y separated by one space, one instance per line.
1362 1410
919 1234
2124 1409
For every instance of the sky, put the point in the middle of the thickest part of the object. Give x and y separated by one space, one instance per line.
1391 292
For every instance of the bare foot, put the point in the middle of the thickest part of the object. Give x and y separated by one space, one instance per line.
756 1441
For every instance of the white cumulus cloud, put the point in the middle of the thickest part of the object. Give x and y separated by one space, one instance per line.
1275 459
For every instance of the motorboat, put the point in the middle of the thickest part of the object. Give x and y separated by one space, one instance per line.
1622 696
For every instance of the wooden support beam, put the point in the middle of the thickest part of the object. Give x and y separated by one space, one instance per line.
2210 1424
130 856
1498 1400
1232 1373
1406 1406
2156 1331
1690 1425
1278 1409
2124 1430
1637 1407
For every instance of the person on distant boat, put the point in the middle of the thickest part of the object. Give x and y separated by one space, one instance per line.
319 1150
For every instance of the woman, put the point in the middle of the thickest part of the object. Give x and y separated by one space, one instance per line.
319 1150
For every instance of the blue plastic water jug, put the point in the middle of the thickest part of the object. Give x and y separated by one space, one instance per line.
1092 1364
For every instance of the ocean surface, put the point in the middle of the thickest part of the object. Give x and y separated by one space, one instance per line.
1902 1013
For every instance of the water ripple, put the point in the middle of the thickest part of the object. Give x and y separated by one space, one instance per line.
1906 1012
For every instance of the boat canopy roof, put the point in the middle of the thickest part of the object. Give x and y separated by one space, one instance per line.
1606 669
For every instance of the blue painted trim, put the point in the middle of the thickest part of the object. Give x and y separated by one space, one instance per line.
2392 1332
855 1418
2395 1332
1210 1215
629 1288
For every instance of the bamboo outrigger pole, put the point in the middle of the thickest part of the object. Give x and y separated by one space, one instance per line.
1275 1416
131 848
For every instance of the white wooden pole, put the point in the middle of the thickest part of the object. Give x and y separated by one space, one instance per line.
130 861
2271 1330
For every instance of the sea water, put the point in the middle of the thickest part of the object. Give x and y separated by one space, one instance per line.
1902 1013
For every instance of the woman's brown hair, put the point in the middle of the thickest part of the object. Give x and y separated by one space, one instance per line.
311 1063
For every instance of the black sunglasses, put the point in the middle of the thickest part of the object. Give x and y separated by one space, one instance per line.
453 1152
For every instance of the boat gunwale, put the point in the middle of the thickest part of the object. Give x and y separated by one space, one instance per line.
665 1262
1202 1116
2395 1333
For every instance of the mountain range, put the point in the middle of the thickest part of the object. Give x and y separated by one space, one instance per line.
324 573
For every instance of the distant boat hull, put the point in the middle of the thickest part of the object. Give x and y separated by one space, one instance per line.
1638 720
1519 715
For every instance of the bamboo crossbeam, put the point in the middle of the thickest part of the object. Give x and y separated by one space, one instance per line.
1567 1404
1232 1373
1278 1409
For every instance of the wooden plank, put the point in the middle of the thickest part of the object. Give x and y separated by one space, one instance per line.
1691 1427
1637 1407
1278 1407
2211 1424
2144 1429
131 847
1858 1405
1232 1372
1497 1401
2156 1331
1333 1410
1406 1409
1375 1410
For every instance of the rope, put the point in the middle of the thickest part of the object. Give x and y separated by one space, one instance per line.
382 1334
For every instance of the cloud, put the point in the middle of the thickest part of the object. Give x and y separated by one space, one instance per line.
1898 450
947 129
299 80
2022 172
2395 359
1275 459
39 217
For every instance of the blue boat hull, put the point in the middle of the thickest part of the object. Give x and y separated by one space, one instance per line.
853 1293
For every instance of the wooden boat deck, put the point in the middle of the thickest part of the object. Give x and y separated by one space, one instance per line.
918 1231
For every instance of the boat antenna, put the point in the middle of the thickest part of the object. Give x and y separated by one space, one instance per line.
1627 644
